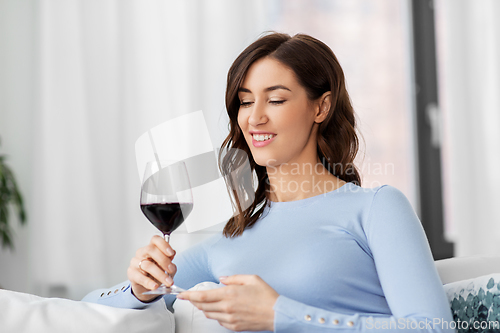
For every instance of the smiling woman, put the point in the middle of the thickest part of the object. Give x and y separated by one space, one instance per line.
315 251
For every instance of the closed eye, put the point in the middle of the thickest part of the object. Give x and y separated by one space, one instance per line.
277 102
245 104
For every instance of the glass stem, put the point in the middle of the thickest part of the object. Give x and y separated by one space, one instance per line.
167 238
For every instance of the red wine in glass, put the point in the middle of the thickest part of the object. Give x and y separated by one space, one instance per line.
166 217
166 201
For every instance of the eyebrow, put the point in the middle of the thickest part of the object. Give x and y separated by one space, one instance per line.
272 88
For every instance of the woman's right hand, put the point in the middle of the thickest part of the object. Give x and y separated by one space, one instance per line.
156 259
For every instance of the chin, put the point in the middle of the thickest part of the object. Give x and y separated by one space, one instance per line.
266 161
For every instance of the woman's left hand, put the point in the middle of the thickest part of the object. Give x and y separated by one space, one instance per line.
245 304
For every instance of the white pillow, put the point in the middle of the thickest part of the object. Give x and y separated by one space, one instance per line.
188 319
25 313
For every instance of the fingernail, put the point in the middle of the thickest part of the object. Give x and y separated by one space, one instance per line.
179 296
171 268
222 278
169 281
170 252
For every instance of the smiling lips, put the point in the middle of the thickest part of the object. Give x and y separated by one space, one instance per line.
262 139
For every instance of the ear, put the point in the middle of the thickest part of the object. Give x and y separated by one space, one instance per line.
324 103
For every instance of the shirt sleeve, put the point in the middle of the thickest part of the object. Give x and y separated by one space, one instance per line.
406 271
118 296
192 268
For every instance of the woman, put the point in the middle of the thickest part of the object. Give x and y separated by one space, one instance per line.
315 251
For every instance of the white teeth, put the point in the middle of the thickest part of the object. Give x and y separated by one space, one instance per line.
263 137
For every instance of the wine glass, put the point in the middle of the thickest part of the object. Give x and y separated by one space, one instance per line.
166 200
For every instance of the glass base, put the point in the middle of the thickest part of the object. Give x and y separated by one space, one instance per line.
164 290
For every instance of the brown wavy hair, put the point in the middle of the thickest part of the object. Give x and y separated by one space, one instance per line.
317 69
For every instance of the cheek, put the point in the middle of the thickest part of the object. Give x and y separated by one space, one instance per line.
298 125
243 122
306 123
240 121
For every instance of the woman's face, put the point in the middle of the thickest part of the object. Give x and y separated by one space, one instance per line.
276 115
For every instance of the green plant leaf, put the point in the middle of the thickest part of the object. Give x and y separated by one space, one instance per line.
9 195
17 199
6 236
4 215
5 232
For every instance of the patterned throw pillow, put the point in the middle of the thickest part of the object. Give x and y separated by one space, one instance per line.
475 303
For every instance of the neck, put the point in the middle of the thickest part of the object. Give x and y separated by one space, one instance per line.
296 181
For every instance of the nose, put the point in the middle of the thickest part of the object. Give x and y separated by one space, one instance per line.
258 115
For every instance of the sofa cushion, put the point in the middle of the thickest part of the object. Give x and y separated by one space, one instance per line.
25 313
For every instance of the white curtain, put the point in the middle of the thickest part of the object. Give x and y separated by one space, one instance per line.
104 72
469 44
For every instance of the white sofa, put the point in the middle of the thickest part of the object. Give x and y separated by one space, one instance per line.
465 268
22 313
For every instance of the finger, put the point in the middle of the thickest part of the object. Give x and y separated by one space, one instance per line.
162 244
137 277
150 268
203 296
211 306
162 260
221 317
152 251
240 279
225 320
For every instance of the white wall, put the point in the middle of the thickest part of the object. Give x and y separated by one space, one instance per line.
17 46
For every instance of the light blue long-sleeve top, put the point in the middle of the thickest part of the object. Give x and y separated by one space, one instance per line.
353 259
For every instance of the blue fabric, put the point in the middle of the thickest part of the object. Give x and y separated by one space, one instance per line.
118 296
351 259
